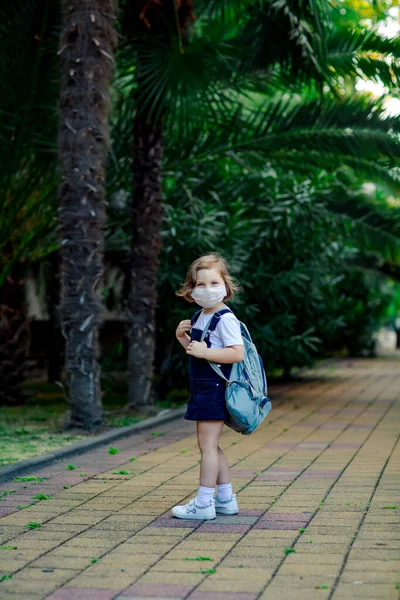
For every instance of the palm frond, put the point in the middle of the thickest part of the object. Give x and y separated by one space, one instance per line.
309 135
364 53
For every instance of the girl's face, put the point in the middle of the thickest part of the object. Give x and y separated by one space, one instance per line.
208 278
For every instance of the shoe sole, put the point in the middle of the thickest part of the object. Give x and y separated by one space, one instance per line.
226 511
194 518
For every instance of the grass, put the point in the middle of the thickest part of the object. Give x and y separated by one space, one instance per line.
207 571
199 558
7 492
35 427
29 478
33 525
31 429
41 496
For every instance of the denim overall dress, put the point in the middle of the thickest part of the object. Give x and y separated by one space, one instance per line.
207 388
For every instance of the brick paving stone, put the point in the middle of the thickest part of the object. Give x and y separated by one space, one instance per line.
9 565
82 594
10 595
157 590
327 453
221 596
350 591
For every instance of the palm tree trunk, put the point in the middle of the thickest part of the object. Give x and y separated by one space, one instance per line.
55 346
162 20
146 240
87 46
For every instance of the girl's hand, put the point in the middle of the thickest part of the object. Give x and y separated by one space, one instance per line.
183 328
197 349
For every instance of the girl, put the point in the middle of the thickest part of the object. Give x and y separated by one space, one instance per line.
209 284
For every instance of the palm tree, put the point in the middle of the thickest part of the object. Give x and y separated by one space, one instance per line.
147 24
87 44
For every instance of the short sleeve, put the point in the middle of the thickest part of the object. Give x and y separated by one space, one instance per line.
229 330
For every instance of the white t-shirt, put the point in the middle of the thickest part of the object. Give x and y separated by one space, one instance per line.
227 332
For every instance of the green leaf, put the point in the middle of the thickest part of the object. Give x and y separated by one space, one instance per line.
29 478
41 496
112 450
33 525
207 571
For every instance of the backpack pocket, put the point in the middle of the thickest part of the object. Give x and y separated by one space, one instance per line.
246 412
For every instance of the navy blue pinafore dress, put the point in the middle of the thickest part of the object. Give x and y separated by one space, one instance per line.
207 388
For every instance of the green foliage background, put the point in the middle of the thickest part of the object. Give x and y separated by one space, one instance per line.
268 147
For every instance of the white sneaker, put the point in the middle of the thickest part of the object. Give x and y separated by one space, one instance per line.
227 507
192 511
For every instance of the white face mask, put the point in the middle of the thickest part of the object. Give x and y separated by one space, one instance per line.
209 297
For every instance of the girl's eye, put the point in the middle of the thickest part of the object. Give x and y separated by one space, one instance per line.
215 283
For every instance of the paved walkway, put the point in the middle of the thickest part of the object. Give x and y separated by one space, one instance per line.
318 488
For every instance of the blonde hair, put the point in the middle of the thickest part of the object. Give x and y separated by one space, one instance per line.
208 261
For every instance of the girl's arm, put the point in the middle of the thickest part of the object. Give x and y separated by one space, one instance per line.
229 355
232 354
184 340
181 334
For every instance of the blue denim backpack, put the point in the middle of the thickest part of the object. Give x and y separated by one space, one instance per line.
246 389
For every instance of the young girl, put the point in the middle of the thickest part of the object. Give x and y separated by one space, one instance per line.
209 284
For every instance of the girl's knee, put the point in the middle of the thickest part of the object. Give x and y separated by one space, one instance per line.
206 442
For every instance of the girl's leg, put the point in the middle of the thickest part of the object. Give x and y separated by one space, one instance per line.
208 433
224 491
223 473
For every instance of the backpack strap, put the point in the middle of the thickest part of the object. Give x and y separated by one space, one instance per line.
195 317
215 319
218 370
211 325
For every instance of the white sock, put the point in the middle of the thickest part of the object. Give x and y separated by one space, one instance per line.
204 496
224 491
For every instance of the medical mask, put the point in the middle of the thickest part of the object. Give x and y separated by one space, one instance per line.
209 297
